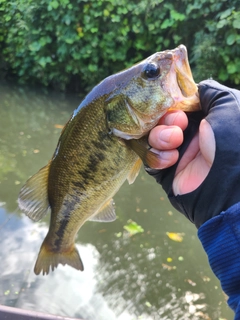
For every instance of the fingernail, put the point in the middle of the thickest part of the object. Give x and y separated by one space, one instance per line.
171 118
165 134
164 155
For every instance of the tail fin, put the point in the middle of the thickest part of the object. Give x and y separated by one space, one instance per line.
49 259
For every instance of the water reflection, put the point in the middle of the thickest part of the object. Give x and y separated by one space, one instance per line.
146 276
62 291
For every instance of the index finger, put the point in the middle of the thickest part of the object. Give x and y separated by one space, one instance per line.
174 118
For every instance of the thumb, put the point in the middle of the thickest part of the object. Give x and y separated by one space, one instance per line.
197 161
207 143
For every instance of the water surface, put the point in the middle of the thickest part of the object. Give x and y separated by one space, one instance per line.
144 276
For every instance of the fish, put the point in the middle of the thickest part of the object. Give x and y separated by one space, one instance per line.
96 151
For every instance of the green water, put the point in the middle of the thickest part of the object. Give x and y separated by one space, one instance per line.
145 276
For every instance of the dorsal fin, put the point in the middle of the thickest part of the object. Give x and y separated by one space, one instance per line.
33 197
106 213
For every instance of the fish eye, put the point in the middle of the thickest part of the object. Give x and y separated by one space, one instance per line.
151 71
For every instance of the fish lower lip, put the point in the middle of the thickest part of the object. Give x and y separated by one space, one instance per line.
180 54
183 72
181 88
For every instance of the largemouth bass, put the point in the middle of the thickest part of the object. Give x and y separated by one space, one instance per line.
93 157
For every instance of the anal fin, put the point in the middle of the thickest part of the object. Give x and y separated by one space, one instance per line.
106 213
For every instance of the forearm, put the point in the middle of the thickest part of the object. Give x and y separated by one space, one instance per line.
220 237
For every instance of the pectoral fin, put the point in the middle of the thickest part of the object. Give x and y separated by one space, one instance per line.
33 197
148 157
106 213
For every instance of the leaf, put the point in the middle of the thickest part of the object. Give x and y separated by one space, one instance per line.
226 13
177 16
231 68
168 267
92 67
223 75
133 228
192 283
178 237
221 23
166 24
106 13
44 60
69 40
34 46
54 4
8 18
231 38
118 235
236 24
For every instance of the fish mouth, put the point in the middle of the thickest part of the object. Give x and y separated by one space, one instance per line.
185 91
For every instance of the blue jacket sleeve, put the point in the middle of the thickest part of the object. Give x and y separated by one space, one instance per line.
220 237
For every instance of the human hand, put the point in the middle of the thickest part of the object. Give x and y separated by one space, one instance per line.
204 181
196 160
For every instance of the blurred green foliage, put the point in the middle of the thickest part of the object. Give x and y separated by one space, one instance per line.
73 44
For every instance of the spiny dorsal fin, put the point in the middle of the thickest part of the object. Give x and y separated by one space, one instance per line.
33 197
106 213
135 171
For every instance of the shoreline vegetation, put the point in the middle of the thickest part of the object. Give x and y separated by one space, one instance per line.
72 45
